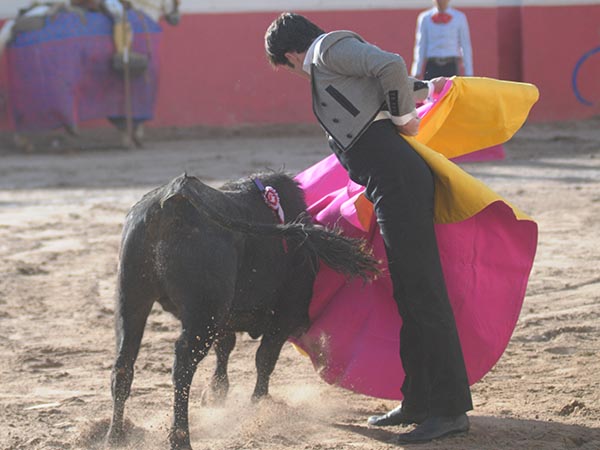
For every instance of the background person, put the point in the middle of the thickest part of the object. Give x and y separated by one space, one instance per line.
442 43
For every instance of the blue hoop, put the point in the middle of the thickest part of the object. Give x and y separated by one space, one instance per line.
583 59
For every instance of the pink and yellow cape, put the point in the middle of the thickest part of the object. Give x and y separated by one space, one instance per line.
487 246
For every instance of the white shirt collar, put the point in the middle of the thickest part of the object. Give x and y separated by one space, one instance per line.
310 54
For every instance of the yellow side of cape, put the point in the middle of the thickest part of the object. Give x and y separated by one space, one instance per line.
458 195
476 113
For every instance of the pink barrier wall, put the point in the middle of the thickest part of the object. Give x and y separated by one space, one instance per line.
214 72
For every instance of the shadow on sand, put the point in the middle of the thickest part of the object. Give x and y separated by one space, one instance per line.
495 433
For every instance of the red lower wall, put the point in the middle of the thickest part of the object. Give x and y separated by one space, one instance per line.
224 78
214 72
554 40
510 42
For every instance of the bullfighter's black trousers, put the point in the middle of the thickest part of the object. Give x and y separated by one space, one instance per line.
400 185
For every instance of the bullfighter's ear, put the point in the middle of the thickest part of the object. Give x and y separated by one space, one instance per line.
295 59
289 56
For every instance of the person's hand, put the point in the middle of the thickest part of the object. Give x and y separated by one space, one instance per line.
410 128
438 84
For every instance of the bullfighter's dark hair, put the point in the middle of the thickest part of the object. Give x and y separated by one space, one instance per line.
290 32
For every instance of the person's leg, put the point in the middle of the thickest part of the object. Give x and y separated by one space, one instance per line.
401 187
414 388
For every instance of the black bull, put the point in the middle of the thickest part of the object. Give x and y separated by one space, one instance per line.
218 261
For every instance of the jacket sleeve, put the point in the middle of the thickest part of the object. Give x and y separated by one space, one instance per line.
422 90
354 58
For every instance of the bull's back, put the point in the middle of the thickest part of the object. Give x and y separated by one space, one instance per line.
178 241
175 254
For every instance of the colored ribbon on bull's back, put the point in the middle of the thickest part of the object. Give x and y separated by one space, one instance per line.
487 246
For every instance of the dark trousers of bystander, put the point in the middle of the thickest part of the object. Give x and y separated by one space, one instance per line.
401 187
440 67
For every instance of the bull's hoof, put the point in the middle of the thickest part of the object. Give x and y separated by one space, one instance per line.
260 397
115 438
179 440
213 397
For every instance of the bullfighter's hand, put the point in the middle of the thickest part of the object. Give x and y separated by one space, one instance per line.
410 128
438 84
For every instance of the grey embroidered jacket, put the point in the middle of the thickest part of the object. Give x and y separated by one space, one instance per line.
353 80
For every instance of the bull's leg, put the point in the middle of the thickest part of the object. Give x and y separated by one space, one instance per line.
191 347
130 329
292 314
266 358
217 390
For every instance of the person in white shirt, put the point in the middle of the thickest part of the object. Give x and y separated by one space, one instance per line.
442 43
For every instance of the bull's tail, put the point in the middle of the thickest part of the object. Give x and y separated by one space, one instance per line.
349 256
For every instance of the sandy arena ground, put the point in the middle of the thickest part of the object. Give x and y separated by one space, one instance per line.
61 214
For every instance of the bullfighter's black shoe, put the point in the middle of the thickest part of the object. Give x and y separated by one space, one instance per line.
396 416
435 427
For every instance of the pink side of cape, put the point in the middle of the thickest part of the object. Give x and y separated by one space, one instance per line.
495 153
354 337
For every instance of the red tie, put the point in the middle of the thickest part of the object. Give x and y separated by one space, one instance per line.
441 18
